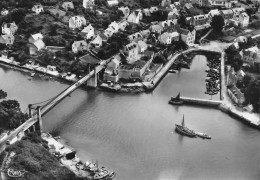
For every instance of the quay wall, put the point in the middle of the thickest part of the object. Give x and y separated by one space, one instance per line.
200 102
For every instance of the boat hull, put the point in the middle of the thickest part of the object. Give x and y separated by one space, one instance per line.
183 131
175 102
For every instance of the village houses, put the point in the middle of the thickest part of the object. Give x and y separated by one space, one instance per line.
88 32
112 28
7 39
77 22
198 20
135 17
4 12
215 3
187 36
67 5
125 10
168 38
9 28
97 42
88 4
37 8
36 43
243 20
131 51
78 46
251 56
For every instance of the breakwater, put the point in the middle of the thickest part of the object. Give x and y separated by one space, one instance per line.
201 102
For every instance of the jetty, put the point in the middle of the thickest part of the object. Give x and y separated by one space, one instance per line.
201 102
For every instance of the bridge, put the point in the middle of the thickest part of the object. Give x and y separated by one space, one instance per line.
34 122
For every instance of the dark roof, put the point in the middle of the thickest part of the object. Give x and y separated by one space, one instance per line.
89 59
183 31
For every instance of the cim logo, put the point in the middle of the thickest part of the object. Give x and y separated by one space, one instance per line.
15 173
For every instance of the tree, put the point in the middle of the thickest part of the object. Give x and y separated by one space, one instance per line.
217 23
182 21
3 94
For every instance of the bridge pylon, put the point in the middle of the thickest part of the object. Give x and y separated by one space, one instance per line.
38 125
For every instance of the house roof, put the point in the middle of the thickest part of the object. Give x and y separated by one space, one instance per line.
131 46
37 36
244 14
39 44
142 44
183 31
97 40
157 27
238 94
227 11
87 29
89 59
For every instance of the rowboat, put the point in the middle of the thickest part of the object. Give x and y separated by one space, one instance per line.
203 135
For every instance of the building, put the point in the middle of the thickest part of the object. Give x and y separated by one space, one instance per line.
146 12
157 28
88 4
78 46
165 3
131 52
187 36
77 22
251 57
142 46
236 95
4 12
112 28
165 38
36 43
168 23
227 14
9 28
212 13
111 72
125 10
67 5
35 37
37 8
135 37
237 12
7 39
243 20
198 20
88 32
153 9
135 17
97 42
112 2
122 25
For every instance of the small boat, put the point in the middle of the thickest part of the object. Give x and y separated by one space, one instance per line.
101 173
171 71
176 100
203 135
184 130
32 74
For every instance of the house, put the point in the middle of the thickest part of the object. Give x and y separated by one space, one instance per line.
212 13
157 28
183 2
51 68
36 46
67 5
88 32
37 8
125 10
175 36
131 52
177 4
135 17
165 38
112 2
227 14
153 9
251 57
187 36
122 25
240 75
165 3
35 37
9 28
7 39
237 12
111 72
4 12
220 3
198 20
97 42
243 20
168 23
145 33
173 16
135 37
236 95
187 6
231 77
79 46
146 12
142 46
77 22
88 4
112 28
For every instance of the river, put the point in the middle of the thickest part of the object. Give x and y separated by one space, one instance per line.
134 135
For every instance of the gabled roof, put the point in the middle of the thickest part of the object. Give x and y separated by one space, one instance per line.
37 36
183 31
39 44
227 11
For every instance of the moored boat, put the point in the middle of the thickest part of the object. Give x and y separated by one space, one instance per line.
171 71
203 135
184 130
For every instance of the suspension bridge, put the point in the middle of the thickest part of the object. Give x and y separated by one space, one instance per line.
34 123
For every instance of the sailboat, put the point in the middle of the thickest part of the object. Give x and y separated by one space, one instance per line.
184 130
176 100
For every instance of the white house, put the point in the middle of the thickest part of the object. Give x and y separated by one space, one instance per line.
122 25
112 28
238 11
37 8
88 4
7 39
112 2
111 72
97 42
4 12
142 46
135 17
36 46
77 22
135 36
9 28
35 37
146 12
187 36
88 32
165 38
67 5
243 20
125 10
131 52
79 46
